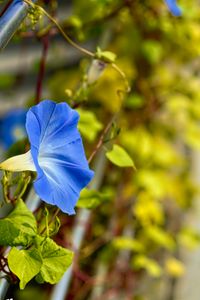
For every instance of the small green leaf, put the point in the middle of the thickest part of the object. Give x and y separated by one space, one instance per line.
19 227
120 157
152 51
56 260
106 56
134 101
90 199
89 125
25 264
127 243
160 237
150 265
54 226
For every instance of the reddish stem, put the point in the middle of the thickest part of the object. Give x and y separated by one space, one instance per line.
42 67
101 140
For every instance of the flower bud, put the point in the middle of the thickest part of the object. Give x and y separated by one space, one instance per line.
96 69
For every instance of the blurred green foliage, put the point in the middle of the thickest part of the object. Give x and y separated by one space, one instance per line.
159 128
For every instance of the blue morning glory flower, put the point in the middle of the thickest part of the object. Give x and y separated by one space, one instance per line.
56 154
173 7
12 127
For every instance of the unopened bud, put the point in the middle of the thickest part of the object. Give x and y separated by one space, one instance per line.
96 69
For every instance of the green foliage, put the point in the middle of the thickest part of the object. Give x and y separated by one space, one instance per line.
161 237
120 157
46 227
106 56
55 260
91 199
128 244
134 101
45 259
25 264
148 210
152 50
41 256
19 227
150 265
89 125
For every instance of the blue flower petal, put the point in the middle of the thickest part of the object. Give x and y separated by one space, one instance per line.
173 7
58 154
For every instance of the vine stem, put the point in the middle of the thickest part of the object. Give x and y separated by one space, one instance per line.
52 219
101 139
66 37
75 45
121 73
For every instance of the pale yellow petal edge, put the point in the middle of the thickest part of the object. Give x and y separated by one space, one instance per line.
23 162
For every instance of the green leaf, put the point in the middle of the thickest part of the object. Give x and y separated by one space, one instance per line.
56 260
150 265
25 264
91 198
134 101
19 227
88 125
127 243
159 236
152 51
46 226
120 157
106 56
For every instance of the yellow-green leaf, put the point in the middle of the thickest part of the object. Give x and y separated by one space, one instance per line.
127 243
89 125
150 265
91 198
25 264
55 260
120 157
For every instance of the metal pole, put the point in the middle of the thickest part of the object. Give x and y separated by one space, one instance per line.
11 20
9 23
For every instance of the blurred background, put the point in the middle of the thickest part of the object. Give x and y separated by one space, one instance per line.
142 232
